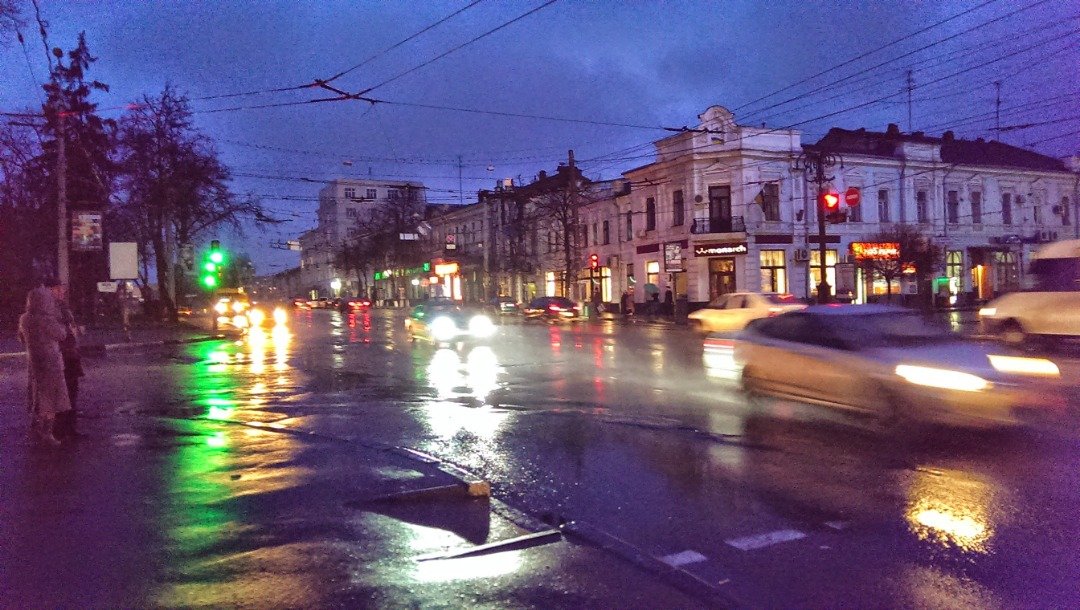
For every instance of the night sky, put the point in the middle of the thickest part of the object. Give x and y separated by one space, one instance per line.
640 65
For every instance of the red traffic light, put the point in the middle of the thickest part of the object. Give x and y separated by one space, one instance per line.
829 200
594 261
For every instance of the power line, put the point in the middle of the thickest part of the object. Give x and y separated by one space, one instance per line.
459 47
863 55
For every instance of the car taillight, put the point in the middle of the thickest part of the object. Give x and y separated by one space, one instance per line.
555 307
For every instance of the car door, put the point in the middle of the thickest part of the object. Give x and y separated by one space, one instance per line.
730 318
711 313
833 370
778 356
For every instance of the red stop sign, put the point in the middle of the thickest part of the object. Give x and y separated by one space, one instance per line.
852 196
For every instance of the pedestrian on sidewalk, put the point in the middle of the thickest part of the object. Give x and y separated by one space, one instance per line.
65 427
41 331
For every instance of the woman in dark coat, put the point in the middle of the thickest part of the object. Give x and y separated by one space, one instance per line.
41 331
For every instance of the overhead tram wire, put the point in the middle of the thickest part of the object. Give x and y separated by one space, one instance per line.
866 54
459 47
834 83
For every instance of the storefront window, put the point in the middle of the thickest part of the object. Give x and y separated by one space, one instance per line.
549 284
1006 272
773 271
815 269
652 272
721 276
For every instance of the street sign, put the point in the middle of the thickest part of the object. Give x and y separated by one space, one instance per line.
106 286
852 196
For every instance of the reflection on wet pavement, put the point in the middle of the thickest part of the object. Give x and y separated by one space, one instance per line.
951 508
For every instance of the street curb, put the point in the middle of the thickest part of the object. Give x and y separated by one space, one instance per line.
94 349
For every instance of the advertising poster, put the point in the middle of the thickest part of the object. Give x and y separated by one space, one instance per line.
86 235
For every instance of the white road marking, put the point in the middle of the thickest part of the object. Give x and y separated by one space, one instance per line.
750 543
837 525
680 559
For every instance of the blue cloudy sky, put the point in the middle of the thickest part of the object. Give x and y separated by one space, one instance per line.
619 70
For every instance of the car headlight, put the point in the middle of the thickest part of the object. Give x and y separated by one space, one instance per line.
443 329
481 326
256 317
221 307
238 307
942 378
280 316
988 312
1038 367
240 321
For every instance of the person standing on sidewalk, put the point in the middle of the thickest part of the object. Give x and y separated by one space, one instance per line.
41 331
69 350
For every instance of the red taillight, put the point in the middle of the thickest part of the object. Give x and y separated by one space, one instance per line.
554 307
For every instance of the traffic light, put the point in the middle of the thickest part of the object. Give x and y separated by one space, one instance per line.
829 204
211 269
594 261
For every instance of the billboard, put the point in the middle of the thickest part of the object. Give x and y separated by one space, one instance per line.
86 235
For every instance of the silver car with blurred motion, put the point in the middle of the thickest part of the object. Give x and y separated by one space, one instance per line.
890 363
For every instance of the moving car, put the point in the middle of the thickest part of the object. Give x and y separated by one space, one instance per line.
1051 309
231 310
260 316
444 321
355 304
732 312
891 363
551 309
505 306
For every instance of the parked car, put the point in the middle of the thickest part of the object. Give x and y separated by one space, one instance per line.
1051 310
444 321
504 306
551 309
890 363
732 312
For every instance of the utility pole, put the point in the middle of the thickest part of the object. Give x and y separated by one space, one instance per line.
910 88
460 187
814 165
572 238
997 111
61 198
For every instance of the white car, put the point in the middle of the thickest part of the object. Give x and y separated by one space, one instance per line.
732 312
890 363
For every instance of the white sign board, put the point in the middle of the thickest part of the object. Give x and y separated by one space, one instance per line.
106 286
123 260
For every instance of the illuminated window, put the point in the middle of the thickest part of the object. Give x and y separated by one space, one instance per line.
652 272
549 284
815 269
773 271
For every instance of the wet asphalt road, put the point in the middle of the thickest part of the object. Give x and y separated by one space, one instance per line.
617 431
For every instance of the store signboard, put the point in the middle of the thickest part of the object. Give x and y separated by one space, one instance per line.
721 249
863 250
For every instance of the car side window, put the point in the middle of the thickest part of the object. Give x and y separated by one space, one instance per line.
820 334
736 302
791 327
718 302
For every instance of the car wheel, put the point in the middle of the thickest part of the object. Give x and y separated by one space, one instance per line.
1012 333
751 388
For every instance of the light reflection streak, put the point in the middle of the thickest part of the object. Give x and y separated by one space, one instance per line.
467 568
951 509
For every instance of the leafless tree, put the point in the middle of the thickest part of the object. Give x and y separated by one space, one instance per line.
915 252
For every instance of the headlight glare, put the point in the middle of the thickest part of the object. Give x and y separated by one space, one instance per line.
481 326
942 378
256 317
988 312
1038 367
280 316
443 329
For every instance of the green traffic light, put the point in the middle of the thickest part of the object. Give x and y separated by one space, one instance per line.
217 257
209 281
211 267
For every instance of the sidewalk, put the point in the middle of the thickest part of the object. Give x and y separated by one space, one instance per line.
153 511
97 339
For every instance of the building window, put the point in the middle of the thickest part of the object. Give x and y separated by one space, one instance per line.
1065 211
883 205
1019 201
678 209
773 271
954 270
650 214
372 193
953 203
976 207
815 270
595 233
549 284
630 281
352 213
393 194
350 193
629 225
1006 209
652 272
1036 210
922 207
770 201
607 233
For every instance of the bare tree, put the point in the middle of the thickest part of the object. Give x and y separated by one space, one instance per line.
554 203
375 241
11 21
916 252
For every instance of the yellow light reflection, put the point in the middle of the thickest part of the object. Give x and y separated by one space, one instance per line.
482 368
952 509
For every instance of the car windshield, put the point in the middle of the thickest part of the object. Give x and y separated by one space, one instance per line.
899 329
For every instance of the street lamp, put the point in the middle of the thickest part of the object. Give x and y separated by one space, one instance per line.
335 285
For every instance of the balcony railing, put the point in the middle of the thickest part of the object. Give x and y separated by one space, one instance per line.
734 224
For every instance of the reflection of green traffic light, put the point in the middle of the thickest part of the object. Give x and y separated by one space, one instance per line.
217 257
209 281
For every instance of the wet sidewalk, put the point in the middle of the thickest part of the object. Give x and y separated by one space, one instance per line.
111 337
153 507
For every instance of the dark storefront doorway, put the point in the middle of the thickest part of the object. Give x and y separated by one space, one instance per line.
721 276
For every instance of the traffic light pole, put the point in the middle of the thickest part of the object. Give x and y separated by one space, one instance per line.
814 165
